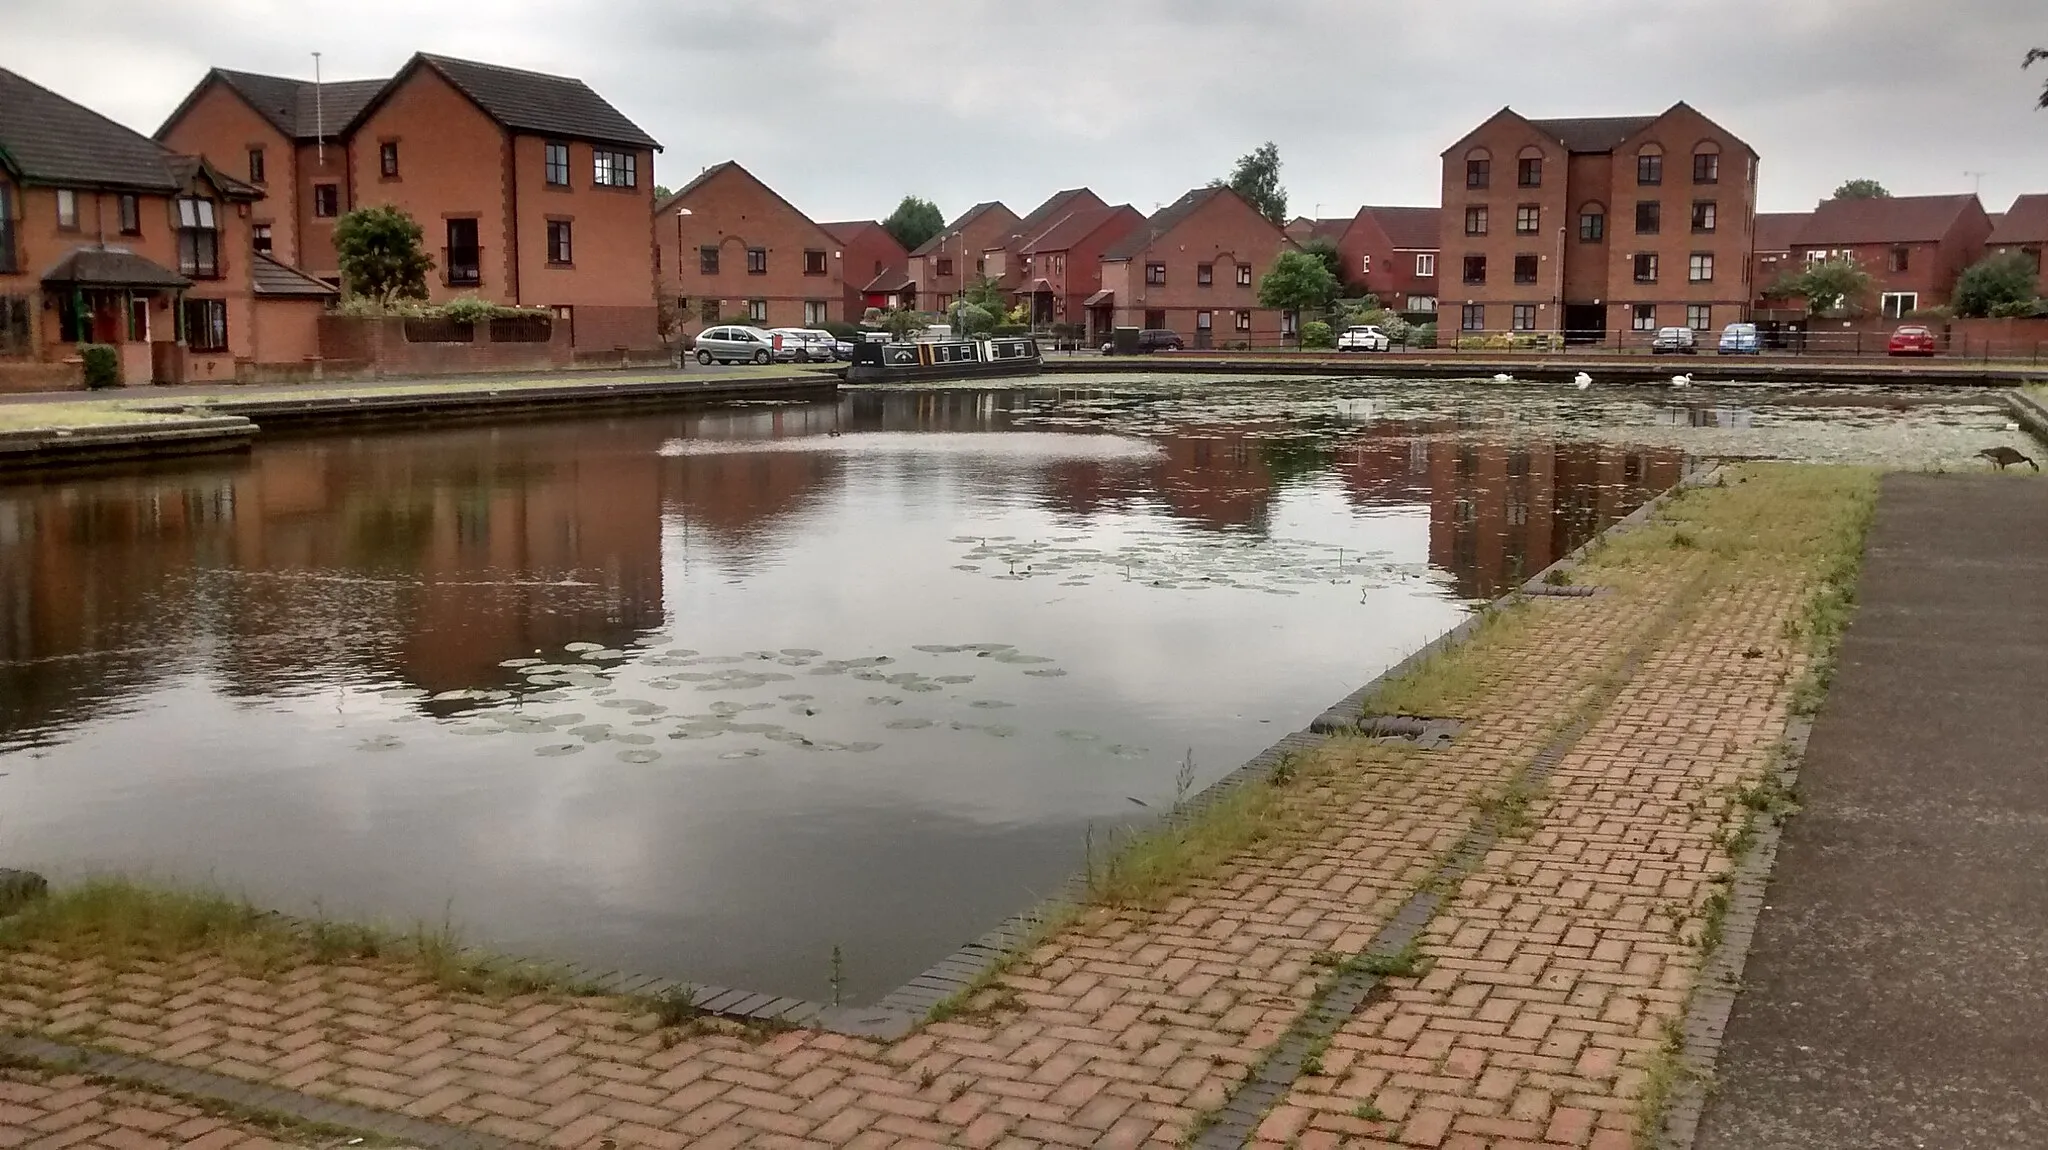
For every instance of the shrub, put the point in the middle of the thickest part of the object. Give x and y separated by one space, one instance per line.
2018 309
1010 329
1316 333
845 331
468 309
102 365
1423 335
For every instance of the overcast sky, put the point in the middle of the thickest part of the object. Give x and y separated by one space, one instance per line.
846 105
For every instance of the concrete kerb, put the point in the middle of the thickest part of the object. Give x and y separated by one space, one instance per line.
94 443
1720 975
2029 412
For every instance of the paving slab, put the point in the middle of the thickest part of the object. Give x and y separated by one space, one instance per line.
1896 993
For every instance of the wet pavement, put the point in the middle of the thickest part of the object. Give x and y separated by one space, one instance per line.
1896 993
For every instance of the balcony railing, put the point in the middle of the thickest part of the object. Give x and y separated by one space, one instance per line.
462 267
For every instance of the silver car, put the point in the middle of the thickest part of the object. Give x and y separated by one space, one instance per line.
811 343
742 344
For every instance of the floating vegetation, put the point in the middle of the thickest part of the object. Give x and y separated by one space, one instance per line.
380 743
556 750
638 756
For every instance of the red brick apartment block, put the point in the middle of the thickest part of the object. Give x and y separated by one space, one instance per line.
1193 267
732 248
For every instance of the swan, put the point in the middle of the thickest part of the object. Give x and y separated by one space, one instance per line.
1503 377
1583 381
1682 380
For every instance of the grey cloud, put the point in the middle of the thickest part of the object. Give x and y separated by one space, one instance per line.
845 106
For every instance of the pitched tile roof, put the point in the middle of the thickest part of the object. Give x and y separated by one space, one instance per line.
845 231
891 279
2026 222
967 217
1776 231
111 267
47 139
1593 133
273 279
1163 221
1410 229
1077 226
1302 229
532 102
1884 220
185 168
1056 208
298 108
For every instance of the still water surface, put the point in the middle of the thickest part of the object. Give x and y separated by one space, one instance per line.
707 694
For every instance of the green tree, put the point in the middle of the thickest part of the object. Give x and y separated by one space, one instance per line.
1862 190
972 319
2034 54
902 322
1257 178
983 293
914 221
1316 333
662 192
2006 278
1829 287
381 254
1297 282
1325 249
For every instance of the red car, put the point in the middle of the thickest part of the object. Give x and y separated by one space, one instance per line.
1911 339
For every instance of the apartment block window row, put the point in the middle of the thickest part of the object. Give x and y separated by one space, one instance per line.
1699 316
1643 317
1528 220
1529 172
1699 268
1592 224
1525 269
1706 168
615 169
1524 317
1475 269
1475 221
1473 317
555 164
1649 167
1478 170
1155 273
1646 267
1649 217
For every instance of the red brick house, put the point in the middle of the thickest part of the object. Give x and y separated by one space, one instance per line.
286 137
1002 261
532 190
1770 257
2024 228
869 252
1593 226
1394 251
1194 266
108 237
942 265
1062 267
730 246
1914 247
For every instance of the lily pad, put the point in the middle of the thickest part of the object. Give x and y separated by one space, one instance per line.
743 753
954 679
990 704
884 701
801 652
518 662
796 698
556 750
861 748
1047 673
923 685
908 724
1081 736
936 648
583 646
1014 657
634 739
639 756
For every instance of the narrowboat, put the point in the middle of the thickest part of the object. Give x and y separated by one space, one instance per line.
939 360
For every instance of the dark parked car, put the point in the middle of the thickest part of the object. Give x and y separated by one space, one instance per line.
1154 339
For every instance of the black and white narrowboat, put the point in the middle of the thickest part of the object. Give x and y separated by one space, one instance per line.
939 360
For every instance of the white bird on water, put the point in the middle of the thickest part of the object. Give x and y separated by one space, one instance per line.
2012 425
1583 381
1682 380
1503 377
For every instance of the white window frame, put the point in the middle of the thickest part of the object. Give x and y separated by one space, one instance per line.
816 313
67 210
1425 264
1908 301
1244 275
614 169
1422 303
1642 317
1365 264
1705 316
757 310
1699 268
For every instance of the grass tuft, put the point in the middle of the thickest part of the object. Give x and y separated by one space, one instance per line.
1452 683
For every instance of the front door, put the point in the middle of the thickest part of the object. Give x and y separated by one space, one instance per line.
1585 323
463 257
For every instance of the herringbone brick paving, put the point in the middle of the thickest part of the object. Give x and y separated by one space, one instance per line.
39 1111
1565 956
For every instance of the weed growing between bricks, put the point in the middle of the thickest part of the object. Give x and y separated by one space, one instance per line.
124 925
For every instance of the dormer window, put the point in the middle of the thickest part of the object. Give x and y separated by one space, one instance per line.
198 238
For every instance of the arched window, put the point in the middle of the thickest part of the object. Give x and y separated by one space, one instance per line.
1592 222
1706 162
1529 168
1478 168
1649 165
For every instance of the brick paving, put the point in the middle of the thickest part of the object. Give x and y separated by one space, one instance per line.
39 1110
1557 963
1565 957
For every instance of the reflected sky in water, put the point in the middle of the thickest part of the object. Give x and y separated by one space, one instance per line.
706 694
